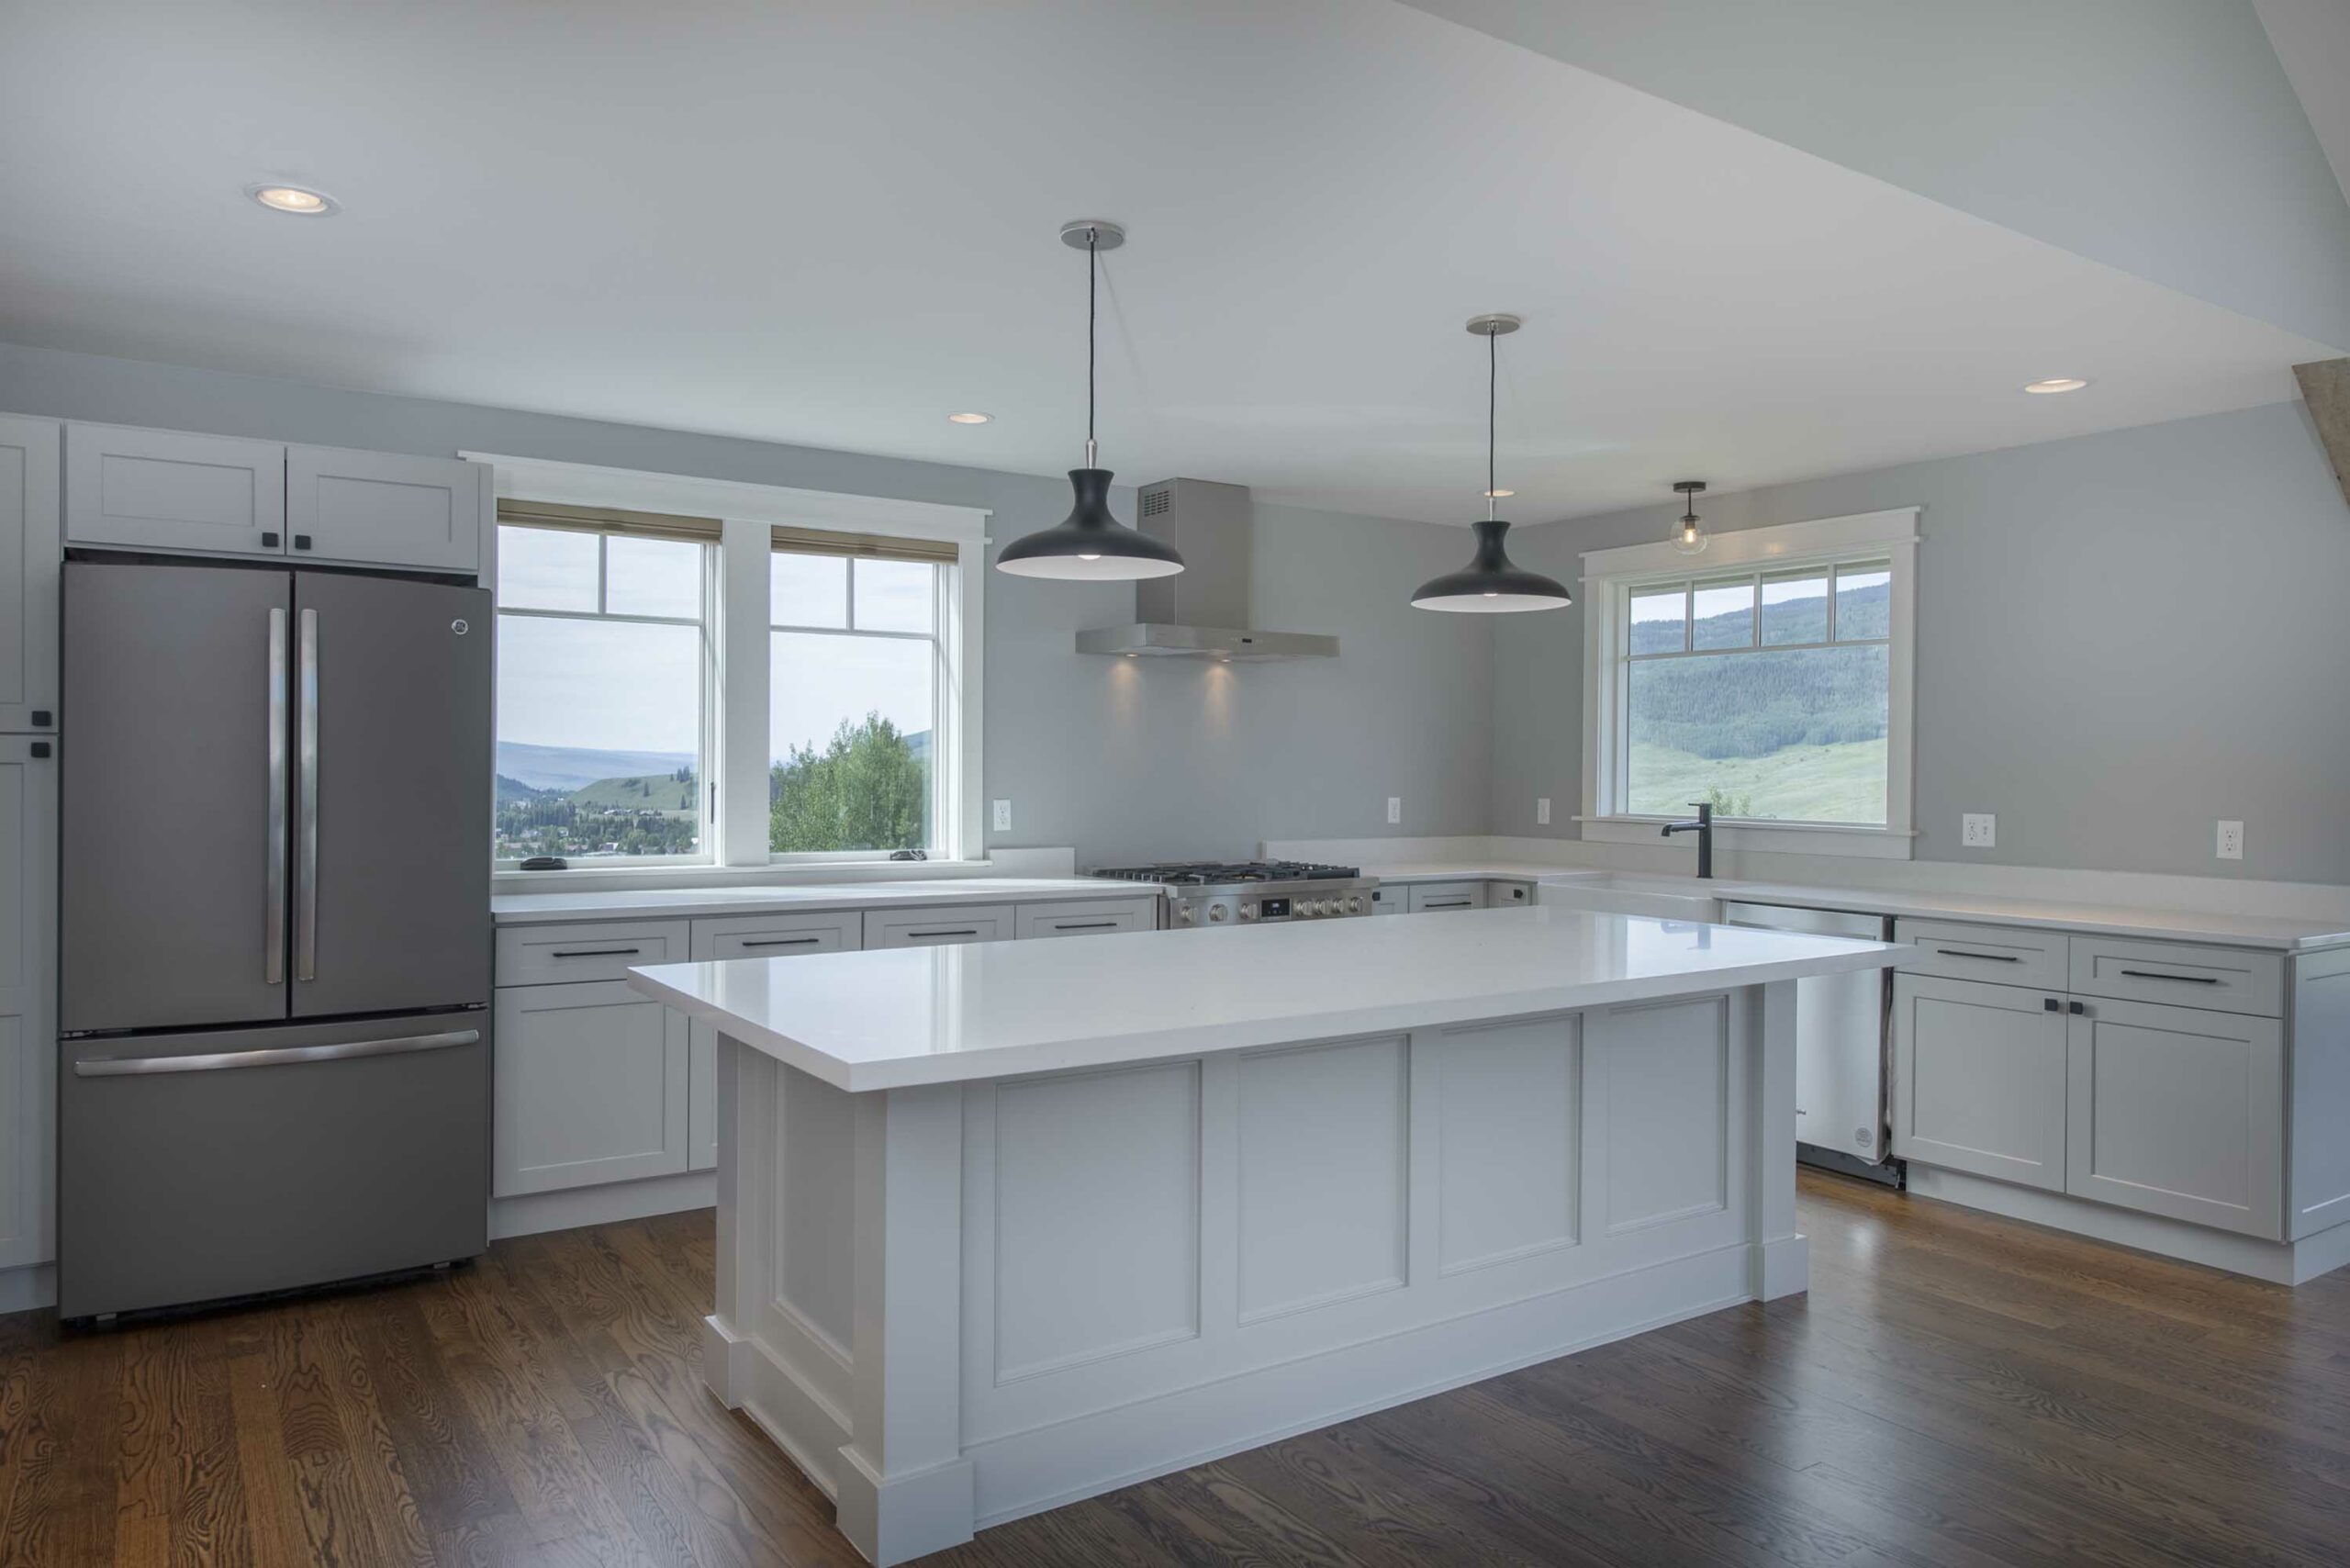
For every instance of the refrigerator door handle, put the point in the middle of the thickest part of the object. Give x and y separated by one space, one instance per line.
306 884
273 929
278 1056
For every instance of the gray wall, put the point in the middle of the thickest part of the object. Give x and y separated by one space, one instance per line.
2121 639
1122 758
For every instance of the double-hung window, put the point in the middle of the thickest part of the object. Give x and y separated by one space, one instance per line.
1770 681
855 690
604 676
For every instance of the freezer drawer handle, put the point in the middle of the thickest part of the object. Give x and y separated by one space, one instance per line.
967 931
2182 979
785 942
1986 957
281 1055
595 952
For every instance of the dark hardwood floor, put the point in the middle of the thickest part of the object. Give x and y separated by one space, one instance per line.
1956 1389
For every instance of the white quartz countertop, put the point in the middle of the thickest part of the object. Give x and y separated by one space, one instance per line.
895 1017
525 909
2282 933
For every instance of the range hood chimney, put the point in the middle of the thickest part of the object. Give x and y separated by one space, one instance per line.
1202 611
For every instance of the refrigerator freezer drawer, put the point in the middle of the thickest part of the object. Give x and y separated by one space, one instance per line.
231 1162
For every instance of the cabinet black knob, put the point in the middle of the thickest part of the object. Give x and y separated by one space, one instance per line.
2078 1007
269 540
40 748
41 718
301 542
2048 1003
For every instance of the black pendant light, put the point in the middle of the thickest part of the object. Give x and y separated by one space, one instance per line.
1089 545
1492 584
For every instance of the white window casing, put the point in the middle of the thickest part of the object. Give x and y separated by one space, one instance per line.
1610 576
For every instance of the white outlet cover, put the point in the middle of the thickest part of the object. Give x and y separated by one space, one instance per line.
1003 817
1395 808
1543 812
1979 830
2231 845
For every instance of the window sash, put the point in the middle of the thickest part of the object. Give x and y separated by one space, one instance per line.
1832 569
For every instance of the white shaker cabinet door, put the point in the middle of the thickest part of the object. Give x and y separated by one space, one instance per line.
384 509
590 1087
143 490
29 561
1979 1074
747 936
27 1001
2180 1112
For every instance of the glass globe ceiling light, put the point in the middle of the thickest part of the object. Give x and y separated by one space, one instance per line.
1688 537
1089 545
1492 583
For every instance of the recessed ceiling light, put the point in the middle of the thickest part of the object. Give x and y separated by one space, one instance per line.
969 419
1498 495
2056 384
294 199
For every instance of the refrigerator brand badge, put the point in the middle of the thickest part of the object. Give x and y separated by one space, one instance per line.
459 627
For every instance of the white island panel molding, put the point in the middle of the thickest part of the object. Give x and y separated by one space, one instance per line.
996 1236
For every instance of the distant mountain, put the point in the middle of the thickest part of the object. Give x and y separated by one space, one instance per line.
564 769
654 791
515 789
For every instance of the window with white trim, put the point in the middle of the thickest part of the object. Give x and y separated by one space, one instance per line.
605 667
854 690
1771 682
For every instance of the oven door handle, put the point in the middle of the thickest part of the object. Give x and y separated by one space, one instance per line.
277 1056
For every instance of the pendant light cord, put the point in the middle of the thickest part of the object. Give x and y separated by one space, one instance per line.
1492 384
1092 312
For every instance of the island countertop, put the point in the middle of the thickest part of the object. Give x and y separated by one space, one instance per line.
897 1017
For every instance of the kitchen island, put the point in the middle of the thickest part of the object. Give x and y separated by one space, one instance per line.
1002 1226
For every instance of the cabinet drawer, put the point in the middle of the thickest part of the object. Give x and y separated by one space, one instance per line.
938 928
1086 917
169 491
1508 895
2229 979
778 936
2003 955
548 955
1431 896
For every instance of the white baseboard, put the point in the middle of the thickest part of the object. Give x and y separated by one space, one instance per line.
2283 1263
28 1289
533 1213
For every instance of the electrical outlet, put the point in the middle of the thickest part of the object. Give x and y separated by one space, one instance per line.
1395 808
1002 819
1543 812
1979 830
2231 841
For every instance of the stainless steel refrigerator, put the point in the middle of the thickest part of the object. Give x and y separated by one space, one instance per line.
275 967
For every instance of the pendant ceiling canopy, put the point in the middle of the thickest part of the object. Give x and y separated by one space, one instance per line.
1492 584
1089 545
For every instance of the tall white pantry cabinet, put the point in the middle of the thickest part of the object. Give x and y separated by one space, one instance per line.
30 452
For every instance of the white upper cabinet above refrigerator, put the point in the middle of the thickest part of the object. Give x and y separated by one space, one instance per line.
29 461
141 489
384 509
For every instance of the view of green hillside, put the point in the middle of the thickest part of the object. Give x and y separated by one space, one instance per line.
1783 734
653 814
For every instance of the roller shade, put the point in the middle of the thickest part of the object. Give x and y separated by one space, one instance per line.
606 519
871 546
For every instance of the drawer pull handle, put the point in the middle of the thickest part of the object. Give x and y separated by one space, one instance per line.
1085 926
1986 957
280 1055
785 942
967 931
2182 979
596 952
1446 903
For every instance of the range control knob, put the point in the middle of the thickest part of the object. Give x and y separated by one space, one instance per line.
1322 906
1216 912
1248 911
1183 913
1354 904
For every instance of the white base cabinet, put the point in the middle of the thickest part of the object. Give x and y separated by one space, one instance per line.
28 998
1978 1078
1437 897
29 574
590 1086
747 936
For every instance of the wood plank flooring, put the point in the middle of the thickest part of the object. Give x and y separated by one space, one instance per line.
1956 1389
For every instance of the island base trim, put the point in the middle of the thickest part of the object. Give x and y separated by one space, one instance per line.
2282 1263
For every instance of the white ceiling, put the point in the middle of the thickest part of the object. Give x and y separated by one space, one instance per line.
831 225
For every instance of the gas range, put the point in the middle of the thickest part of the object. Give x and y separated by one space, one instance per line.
1250 892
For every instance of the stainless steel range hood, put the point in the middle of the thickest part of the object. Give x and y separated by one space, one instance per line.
1202 611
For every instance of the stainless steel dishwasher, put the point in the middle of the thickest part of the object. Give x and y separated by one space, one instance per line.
1841 1106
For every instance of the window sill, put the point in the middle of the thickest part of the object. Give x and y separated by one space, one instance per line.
1764 838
